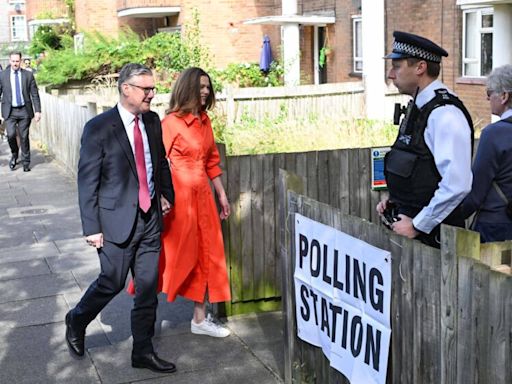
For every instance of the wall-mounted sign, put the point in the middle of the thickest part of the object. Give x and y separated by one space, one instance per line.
378 179
343 299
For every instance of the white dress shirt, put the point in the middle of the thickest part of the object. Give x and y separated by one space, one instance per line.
128 119
448 136
14 103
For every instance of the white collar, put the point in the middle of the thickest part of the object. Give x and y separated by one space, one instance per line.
126 116
428 93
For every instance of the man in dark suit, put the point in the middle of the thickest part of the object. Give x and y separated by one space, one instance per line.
20 97
124 188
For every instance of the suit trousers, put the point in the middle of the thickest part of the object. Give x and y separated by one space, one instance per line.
139 254
19 121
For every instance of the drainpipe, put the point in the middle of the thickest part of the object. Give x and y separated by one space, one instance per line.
374 76
291 45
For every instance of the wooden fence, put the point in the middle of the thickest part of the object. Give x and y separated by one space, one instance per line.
340 178
451 314
338 100
60 129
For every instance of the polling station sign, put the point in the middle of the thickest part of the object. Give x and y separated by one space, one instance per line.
343 299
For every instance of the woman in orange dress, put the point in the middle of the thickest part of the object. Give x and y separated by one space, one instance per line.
192 259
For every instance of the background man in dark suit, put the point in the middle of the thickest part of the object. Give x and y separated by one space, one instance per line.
20 98
124 188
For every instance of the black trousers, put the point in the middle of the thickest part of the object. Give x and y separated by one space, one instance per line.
139 254
19 122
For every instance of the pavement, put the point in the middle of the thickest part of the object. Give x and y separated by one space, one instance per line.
45 265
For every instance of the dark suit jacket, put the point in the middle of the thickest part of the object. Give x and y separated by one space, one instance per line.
28 89
108 186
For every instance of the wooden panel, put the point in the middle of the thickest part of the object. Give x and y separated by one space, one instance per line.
449 304
279 163
500 328
353 179
324 178
480 322
466 334
257 224
404 351
334 178
345 198
270 250
312 180
234 239
364 174
301 167
426 296
247 253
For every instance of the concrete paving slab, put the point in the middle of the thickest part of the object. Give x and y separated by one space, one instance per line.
44 285
251 372
191 353
38 354
263 334
28 252
22 269
23 313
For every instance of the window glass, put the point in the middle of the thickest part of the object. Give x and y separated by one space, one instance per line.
18 28
357 39
477 42
486 54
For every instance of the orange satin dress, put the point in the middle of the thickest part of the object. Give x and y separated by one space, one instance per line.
192 259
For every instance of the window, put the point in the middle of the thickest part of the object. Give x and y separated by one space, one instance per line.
18 28
477 42
357 41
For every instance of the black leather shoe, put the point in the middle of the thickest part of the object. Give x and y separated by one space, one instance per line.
153 362
12 163
26 168
74 338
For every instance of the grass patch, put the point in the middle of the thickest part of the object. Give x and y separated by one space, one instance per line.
314 133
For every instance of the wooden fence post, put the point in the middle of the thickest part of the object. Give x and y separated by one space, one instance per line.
287 182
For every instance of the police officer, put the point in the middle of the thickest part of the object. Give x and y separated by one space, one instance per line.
428 170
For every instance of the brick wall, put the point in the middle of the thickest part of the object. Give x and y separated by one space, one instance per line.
57 8
97 15
441 22
223 31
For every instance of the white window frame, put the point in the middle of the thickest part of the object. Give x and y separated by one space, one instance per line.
23 26
478 38
355 38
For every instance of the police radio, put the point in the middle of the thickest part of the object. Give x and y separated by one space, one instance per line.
399 111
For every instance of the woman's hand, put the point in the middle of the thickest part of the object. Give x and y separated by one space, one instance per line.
225 209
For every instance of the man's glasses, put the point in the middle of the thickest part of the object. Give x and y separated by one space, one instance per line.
490 92
146 90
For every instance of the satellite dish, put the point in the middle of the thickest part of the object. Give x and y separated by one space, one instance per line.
17 7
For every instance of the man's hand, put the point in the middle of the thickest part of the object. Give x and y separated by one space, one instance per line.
404 227
166 206
37 116
95 240
381 207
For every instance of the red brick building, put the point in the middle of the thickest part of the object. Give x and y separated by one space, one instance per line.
331 45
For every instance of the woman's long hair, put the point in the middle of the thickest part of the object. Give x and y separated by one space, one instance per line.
186 93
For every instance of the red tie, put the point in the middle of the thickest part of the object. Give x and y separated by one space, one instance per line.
144 199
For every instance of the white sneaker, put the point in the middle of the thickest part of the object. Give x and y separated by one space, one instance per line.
208 327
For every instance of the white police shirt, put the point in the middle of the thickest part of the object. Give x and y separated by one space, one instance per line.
448 136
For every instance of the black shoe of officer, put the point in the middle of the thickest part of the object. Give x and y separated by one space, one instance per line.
12 163
152 362
75 338
26 168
